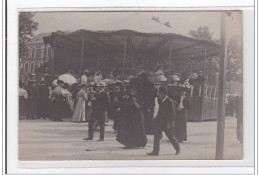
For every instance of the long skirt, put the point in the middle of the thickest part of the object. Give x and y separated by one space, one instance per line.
32 108
56 109
132 134
79 113
148 123
180 125
43 107
22 107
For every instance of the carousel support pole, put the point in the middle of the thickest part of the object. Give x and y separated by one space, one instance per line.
124 60
81 57
53 56
202 87
170 63
191 66
204 68
44 55
222 87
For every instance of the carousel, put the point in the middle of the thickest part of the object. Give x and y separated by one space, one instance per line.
169 59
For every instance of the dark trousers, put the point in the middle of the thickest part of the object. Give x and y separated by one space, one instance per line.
57 110
240 128
115 114
101 121
32 106
43 107
159 127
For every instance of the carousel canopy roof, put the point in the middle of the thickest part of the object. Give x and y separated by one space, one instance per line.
139 35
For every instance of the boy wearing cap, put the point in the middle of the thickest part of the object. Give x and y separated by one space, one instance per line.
164 118
100 107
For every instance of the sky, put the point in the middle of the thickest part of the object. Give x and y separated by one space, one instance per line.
181 22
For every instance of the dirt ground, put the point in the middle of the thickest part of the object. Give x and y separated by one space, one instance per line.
48 140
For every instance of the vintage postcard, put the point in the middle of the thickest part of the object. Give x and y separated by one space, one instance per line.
137 85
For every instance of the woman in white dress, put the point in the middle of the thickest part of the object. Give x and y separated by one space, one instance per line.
22 101
79 112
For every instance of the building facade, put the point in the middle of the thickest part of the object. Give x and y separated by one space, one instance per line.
35 53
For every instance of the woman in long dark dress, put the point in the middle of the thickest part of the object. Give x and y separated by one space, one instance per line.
115 100
180 123
131 131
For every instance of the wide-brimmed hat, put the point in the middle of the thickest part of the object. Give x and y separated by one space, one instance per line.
126 82
86 71
60 82
101 84
91 84
83 86
43 82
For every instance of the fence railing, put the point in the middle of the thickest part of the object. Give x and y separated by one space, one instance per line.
210 91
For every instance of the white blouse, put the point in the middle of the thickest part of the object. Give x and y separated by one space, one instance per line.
23 93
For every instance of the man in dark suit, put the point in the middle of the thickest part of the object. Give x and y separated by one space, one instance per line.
239 114
164 121
100 108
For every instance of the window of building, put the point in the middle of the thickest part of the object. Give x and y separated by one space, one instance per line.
32 68
26 67
33 52
49 52
39 51
28 52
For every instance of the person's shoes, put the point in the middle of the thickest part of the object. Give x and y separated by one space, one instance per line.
88 138
100 140
178 152
126 147
152 154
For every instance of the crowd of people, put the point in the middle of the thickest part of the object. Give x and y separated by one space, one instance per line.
135 105
234 107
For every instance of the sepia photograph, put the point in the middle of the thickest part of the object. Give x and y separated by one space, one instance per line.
130 85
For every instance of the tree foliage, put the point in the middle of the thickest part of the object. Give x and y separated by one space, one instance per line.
235 59
202 32
157 19
234 53
167 24
26 28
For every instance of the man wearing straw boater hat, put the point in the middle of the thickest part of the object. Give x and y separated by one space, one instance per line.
164 121
100 108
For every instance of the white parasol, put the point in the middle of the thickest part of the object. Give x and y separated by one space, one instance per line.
67 78
110 81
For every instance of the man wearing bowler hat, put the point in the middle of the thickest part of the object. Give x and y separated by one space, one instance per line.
164 121
100 108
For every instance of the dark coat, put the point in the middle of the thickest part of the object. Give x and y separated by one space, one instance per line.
166 113
115 104
101 103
